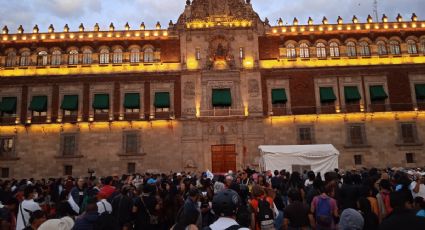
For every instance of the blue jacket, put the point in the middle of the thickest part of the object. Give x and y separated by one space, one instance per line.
86 222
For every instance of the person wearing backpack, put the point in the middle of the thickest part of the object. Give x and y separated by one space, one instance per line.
262 207
225 205
383 198
325 209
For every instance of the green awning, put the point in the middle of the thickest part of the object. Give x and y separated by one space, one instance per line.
377 93
101 101
8 105
132 101
352 93
162 100
221 97
327 94
279 96
70 103
38 104
420 91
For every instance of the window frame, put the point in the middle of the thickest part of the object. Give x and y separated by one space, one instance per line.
12 152
403 139
334 49
136 147
104 56
291 51
87 57
25 58
358 159
64 146
301 134
382 48
42 58
363 136
56 58
117 56
73 57
11 59
410 158
364 49
135 55
412 48
321 50
149 55
351 49
395 48
304 50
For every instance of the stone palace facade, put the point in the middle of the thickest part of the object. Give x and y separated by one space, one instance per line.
207 90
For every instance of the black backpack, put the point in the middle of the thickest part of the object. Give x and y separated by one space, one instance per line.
106 221
265 215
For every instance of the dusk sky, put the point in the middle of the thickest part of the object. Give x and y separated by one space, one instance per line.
73 12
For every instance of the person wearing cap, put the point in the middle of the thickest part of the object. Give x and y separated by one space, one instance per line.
225 205
107 190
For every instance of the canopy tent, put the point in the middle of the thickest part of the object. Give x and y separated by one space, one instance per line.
318 158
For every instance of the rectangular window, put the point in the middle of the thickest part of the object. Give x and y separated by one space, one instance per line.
198 53
131 168
7 146
410 158
241 53
69 144
131 143
305 135
5 173
356 135
67 170
408 133
358 159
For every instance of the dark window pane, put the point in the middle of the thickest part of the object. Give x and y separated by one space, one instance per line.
131 168
67 170
131 143
69 143
410 158
358 159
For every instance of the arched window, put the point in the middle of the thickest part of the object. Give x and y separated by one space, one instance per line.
11 59
321 50
351 49
56 57
73 57
148 55
42 58
395 48
135 55
104 56
411 47
382 48
423 46
290 51
364 49
25 58
117 56
304 51
87 56
334 49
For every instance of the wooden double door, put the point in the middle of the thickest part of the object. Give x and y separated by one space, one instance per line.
223 158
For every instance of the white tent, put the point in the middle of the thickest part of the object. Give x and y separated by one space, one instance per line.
318 158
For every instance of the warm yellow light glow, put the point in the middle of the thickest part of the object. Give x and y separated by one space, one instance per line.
367 26
90 35
413 25
93 69
62 36
33 37
192 63
99 35
52 36
404 26
137 34
117 35
147 34
395 26
81 36
14 38
109 35
358 28
274 31
71 36
283 30
330 28
248 63
293 29
284 63
385 26
155 34
339 27
376 26
4 38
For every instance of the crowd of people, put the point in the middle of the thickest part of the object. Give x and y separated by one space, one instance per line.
354 200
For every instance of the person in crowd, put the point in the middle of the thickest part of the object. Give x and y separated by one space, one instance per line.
297 214
187 221
103 205
259 196
325 208
418 186
370 218
89 219
122 206
145 209
383 198
8 212
310 179
403 216
225 205
26 207
351 219
37 218
77 196
107 190
349 193
64 219
191 204
420 206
